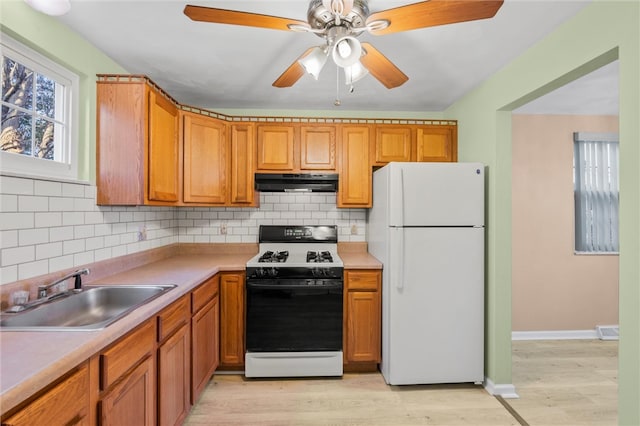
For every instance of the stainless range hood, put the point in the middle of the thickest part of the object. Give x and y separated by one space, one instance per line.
296 182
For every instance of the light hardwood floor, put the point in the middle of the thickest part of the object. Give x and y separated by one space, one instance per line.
566 383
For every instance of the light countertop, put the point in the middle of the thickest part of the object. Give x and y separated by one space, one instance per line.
31 360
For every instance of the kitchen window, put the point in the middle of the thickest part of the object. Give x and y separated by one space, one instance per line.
596 192
38 136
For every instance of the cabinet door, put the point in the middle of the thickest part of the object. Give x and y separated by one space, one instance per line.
131 401
174 378
392 144
120 143
67 403
435 143
163 162
243 165
232 320
205 342
363 329
205 160
363 313
318 148
355 168
275 148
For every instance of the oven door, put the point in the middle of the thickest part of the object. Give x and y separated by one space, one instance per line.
294 315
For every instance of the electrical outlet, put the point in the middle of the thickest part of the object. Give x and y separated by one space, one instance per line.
354 229
223 228
142 233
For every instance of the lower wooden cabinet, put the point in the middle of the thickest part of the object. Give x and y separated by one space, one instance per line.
128 379
174 361
205 335
362 301
232 320
132 400
66 403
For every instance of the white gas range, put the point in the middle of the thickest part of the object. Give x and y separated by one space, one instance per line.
294 303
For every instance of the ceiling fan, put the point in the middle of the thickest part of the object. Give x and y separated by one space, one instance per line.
339 22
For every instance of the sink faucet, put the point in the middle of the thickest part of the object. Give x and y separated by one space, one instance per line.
44 289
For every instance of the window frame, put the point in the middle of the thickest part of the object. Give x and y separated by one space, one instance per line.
65 162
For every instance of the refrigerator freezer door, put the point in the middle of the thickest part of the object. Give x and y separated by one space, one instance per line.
433 321
436 194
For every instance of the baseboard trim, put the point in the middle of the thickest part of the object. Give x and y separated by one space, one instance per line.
554 335
506 391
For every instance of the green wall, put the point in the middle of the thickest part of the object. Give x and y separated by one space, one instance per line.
602 32
59 43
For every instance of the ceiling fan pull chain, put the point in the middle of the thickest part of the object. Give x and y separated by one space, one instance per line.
337 102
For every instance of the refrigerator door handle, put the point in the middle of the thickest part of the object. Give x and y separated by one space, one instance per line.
400 263
401 218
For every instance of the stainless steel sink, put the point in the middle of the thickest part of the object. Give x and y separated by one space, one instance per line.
94 308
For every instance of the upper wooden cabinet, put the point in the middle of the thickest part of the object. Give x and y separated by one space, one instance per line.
275 148
317 148
138 150
355 168
436 143
296 148
428 143
243 165
392 143
205 159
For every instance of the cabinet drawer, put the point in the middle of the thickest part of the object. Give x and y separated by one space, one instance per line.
204 293
124 354
173 317
362 280
65 403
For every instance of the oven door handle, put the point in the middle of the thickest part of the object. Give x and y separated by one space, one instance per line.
271 286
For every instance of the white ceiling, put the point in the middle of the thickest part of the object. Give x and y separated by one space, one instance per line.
226 66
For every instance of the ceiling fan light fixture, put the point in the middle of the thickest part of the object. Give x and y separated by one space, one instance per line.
354 73
50 7
346 51
314 61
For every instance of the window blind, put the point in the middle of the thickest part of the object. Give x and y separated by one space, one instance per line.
596 192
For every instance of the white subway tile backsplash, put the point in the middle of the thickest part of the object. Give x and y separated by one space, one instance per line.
27 237
61 233
64 228
14 185
30 203
83 231
47 188
8 203
60 262
33 269
83 258
8 274
16 220
73 190
46 251
8 239
72 246
17 255
47 220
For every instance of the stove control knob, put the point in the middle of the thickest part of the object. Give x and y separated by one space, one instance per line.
272 272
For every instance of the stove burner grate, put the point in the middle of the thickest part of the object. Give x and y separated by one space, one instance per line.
273 257
319 257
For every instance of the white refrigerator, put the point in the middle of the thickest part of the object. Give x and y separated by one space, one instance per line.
427 228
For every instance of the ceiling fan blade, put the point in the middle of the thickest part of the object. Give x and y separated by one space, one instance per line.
433 13
382 68
292 74
233 17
